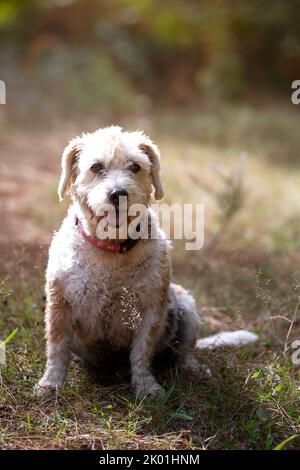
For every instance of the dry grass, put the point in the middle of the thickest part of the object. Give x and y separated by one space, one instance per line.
249 278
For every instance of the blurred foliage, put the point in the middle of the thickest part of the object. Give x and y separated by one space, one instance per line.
175 51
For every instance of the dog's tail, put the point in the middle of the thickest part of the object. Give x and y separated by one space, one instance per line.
227 339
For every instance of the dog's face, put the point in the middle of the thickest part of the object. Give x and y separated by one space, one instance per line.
110 167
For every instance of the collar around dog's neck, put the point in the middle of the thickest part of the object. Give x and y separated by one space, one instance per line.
103 245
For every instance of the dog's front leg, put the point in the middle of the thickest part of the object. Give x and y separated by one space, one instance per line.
58 336
142 351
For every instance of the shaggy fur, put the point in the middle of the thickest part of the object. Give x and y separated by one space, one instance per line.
99 300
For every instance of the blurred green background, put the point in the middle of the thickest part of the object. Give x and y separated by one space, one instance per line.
122 56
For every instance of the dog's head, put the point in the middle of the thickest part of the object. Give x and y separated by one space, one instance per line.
108 167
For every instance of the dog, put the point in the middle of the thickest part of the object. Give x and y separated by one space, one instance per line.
115 294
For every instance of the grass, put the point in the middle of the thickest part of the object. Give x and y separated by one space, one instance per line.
251 401
250 278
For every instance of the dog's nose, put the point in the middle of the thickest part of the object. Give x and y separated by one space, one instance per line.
116 194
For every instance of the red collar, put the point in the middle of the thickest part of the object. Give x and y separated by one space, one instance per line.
103 245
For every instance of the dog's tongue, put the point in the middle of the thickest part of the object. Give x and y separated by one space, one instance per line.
116 219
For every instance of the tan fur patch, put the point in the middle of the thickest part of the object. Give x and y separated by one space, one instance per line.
80 332
154 329
57 312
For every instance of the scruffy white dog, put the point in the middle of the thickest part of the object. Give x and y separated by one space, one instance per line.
114 294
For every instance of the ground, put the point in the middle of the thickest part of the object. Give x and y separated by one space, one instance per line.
241 162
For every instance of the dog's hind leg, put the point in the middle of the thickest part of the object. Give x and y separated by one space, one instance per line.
183 306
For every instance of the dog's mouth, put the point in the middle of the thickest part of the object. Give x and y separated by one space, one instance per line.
117 218
114 219
116 224
112 225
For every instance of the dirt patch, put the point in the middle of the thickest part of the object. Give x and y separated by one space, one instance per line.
20 259
30 164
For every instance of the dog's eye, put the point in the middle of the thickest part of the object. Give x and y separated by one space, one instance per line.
134 167
97 167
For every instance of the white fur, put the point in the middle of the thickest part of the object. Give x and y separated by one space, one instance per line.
227 338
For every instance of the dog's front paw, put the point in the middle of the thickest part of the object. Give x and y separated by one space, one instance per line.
45 388
43 391
152 389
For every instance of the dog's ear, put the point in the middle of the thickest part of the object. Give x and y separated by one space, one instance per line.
69 162
154 156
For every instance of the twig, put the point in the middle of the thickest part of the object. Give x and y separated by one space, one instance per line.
281 317
291 326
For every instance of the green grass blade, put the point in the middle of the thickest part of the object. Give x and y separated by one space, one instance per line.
13 333
283 443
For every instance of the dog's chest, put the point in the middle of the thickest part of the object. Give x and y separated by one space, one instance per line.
105 305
